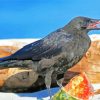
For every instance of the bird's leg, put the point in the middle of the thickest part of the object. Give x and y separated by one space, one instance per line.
59 81
48 81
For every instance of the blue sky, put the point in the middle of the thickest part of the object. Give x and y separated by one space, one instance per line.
37 18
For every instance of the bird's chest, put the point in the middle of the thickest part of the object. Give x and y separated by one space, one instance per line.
83 43
72 53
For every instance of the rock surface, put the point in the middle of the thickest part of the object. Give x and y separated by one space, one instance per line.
15 79
20 79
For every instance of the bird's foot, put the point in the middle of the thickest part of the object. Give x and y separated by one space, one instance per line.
49 92
59 82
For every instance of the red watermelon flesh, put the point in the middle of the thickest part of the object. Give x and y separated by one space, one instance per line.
80 87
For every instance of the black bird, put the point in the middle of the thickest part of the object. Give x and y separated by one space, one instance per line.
59 50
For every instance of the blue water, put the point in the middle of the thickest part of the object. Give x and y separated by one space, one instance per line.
39 94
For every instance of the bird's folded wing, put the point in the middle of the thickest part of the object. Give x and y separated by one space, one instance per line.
44 48
35 51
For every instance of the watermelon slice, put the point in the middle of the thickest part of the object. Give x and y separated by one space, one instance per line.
79 88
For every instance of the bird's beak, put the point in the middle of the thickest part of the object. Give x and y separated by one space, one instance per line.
94 25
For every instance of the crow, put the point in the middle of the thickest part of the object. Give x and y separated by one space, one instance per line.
58 51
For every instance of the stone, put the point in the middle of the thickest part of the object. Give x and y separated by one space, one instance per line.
15 79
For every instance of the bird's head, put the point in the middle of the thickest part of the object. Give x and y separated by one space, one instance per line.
84 23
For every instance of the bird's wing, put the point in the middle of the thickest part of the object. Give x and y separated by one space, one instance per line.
36 51
44 48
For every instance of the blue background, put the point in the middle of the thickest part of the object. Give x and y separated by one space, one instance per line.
37 18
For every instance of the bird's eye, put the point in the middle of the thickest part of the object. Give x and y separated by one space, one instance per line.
90 21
